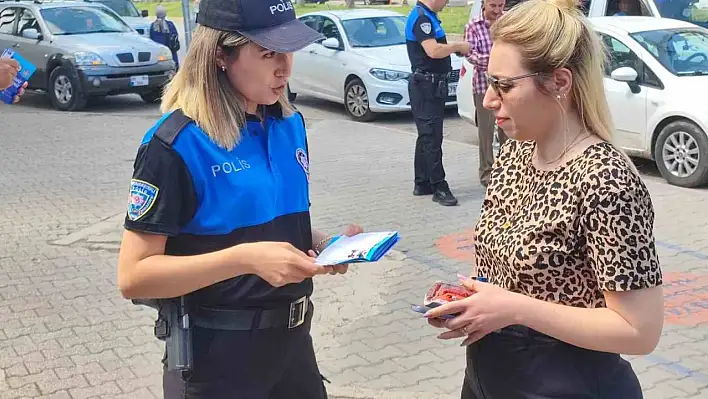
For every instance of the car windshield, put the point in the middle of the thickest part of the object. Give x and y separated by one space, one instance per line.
684 52
124 8
693 11
81 20
375 31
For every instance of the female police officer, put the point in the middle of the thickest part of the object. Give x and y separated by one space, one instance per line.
219 210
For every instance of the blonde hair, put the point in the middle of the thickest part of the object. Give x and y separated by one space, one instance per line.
204 93
553 34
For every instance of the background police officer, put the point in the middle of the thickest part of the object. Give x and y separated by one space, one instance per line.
429 54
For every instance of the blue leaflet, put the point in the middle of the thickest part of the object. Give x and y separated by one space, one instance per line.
26 71
364 247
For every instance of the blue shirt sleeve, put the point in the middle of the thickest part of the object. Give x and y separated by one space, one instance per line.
423 29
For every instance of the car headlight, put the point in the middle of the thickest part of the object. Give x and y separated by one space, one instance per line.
386 74
85 58
164 54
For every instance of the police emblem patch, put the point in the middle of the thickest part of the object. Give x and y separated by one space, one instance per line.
426 27
142 198
303 161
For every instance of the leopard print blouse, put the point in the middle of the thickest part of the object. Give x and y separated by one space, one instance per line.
569 234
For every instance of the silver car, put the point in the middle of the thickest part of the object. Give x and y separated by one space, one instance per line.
83 50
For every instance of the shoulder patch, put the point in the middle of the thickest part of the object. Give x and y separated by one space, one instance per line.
301 157
426 27
142 198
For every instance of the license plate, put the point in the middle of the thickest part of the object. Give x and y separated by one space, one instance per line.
452 89
139 80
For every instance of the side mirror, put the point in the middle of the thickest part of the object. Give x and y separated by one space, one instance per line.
624 74
32 34
144 13
331 43
629 76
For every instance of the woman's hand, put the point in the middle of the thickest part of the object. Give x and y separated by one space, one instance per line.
488 309
280 263
351 230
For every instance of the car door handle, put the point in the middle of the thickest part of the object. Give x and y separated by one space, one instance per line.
16 45
313 52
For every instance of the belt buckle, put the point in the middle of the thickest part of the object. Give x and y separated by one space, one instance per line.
298 310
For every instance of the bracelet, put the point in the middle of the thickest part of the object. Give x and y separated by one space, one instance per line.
324 240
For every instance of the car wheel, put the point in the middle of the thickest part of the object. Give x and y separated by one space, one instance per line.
681 154
152 97
65 90
356 101
291 96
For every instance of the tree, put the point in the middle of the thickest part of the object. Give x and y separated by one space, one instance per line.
350 3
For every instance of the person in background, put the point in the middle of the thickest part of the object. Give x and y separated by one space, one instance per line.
429 55
165 32
627 7
8 70
477 35
565 238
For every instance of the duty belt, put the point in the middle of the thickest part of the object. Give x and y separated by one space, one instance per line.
289 316
439 75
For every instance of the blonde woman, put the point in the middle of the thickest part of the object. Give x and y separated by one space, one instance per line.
565 235
218 226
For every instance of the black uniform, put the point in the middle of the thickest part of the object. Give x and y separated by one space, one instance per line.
428 91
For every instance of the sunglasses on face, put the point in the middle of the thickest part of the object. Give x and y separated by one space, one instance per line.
504 85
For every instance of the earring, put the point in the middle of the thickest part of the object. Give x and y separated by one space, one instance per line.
223 68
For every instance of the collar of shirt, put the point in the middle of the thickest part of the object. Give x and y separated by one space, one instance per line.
273 110
480 20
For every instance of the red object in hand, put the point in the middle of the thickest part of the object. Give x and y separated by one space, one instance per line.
443 293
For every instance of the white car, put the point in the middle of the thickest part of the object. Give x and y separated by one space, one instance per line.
362 63
693 11
655 84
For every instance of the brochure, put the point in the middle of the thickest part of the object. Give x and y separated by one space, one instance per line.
26 71
363 247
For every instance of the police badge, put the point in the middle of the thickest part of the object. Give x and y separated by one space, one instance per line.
426 27
303 161
142 198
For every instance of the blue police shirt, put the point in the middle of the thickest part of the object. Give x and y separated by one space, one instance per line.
423 24
206 198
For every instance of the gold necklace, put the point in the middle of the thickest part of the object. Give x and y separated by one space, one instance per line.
567 148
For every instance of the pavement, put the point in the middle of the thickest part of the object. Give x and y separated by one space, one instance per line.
65 331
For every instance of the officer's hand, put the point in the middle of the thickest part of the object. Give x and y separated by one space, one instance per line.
351 230
8 70
280 263
464 48
20 93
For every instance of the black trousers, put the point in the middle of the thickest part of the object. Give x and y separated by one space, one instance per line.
428 106
520 363
257 364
